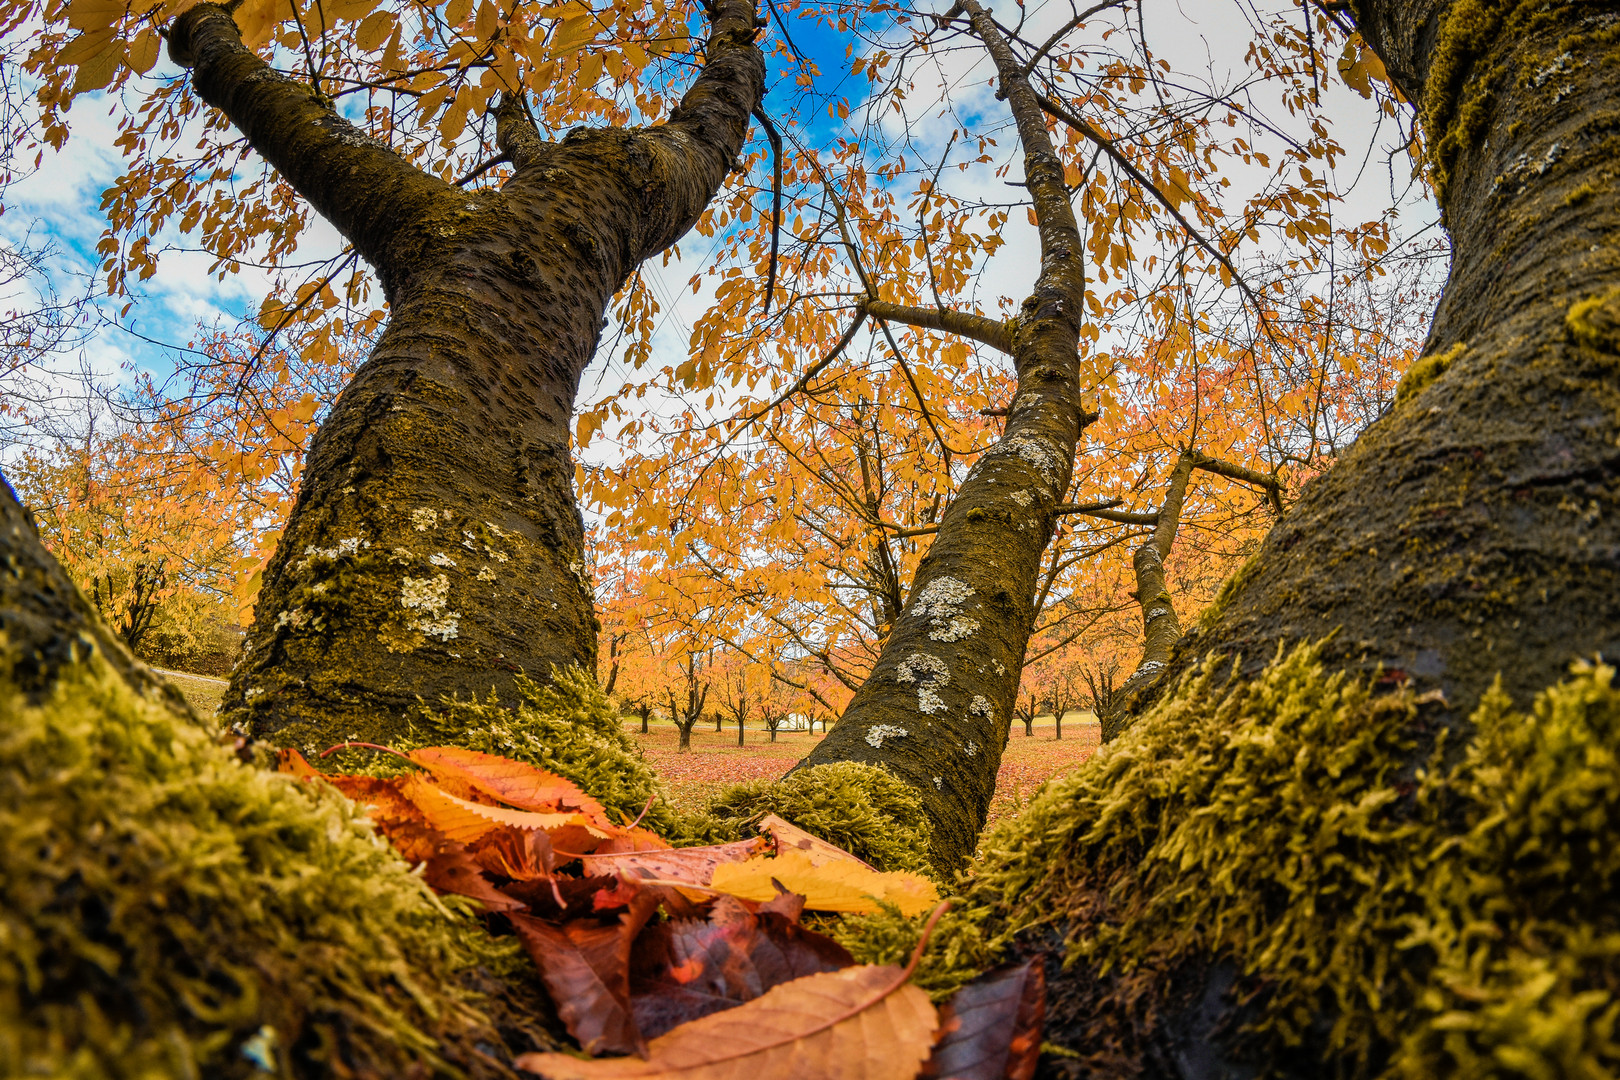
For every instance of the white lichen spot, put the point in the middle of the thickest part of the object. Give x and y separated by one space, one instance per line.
930 673
1040 452
429 596
349 545
439 558
320 587
486 574
424 518
879 732
252 692
1022 498
1001 669
297 618
972 748
980 706
468 538
940 602
939 782
1148 667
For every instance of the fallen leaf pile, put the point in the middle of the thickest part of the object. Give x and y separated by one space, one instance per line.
692 960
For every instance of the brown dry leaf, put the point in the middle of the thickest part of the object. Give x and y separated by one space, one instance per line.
861 1023
833 886
466 821
686 968
520 854
512 782
454 870
694 865
789 837
991 1028
586 968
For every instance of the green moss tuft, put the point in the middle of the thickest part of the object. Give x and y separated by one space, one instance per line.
1425 370
1397 920
862 808
166 910
1595 322
957 953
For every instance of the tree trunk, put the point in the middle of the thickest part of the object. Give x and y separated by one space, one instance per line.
1471 534
719 723
739 729
645 709
1468 533
435 547
1057 722
936 707
685 746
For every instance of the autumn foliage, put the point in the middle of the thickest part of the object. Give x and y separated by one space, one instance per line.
691 959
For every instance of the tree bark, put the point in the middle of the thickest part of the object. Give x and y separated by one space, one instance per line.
435 547
1470 532
936 708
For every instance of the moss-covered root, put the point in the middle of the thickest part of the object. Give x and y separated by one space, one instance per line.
168 911
863 809
1266 870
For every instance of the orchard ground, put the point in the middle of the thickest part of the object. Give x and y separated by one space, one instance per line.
716 760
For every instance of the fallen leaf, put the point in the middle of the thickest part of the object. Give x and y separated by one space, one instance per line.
686 968
464 820
694 865
991 1028
455 870
585 965
833 886
861 1023
512 782
520 854
289 760
789 837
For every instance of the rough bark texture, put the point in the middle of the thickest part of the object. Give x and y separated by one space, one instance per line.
435 547
1472 531
936 708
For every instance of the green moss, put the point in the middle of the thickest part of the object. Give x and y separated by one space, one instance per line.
166 910
958 950
1595 322
1400 920
862 808
1425 370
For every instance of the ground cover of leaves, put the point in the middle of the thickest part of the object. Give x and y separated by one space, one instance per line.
716 760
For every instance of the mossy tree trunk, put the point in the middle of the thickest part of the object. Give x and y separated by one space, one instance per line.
435 547
1472 532
937 705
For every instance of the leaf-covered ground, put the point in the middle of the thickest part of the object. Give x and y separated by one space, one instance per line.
716 760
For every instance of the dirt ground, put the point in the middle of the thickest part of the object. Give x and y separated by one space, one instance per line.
716 760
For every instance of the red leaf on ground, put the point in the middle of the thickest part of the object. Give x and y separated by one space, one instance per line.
455 870
586 968
991 1028
685 968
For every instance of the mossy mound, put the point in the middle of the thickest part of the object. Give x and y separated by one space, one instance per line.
167 911
863 809
1297 874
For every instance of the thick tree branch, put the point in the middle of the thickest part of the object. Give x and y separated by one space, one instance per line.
353 180
986 331
515 133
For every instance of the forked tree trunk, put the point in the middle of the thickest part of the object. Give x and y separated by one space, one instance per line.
435 547
936 707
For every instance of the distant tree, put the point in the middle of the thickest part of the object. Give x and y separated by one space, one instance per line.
686 700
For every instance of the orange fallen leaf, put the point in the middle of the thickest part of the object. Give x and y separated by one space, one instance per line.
512 782
460 819
861 1023
289 760
692 865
